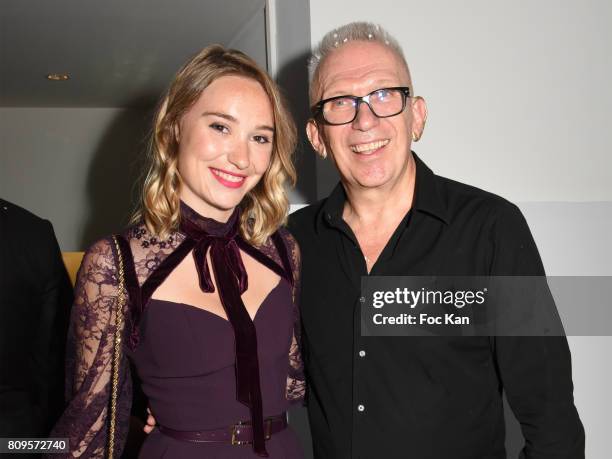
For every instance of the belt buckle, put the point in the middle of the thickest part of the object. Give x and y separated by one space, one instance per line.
267 432
235 442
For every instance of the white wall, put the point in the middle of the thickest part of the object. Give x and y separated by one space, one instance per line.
73 166
519 104
518 91
289 48
79 167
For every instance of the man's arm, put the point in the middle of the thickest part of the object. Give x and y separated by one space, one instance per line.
54 311
535 371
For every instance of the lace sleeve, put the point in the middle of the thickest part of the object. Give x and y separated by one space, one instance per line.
89 360
296 385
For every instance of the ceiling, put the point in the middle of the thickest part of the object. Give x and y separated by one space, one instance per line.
118 53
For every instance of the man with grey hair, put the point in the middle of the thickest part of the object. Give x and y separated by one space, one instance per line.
390 215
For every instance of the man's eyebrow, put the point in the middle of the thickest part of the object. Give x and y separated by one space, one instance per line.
336 94
264 127
380 84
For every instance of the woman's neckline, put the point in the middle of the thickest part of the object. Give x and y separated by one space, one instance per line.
210 225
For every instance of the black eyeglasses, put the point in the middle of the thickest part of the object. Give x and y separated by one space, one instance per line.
384 102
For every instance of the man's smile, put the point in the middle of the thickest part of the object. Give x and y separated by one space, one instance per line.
368 148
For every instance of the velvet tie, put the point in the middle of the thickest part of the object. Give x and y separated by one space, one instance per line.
232 282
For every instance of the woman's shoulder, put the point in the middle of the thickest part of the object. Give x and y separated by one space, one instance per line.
290 247
95 289
280 235
148 250
139 234
99 256
291 243
286 236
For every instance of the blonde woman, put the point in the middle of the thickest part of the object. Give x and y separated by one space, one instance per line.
211 325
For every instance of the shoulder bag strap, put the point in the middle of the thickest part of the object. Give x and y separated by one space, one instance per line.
116 359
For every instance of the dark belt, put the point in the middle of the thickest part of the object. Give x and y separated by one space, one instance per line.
237 434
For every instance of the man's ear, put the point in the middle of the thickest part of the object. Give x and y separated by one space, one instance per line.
419 117
314 135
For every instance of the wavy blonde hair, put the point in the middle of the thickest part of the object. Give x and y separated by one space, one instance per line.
265 207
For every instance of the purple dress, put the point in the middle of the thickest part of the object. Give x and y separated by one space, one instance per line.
185 356
186 363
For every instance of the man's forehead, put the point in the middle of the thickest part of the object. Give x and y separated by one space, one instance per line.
360 64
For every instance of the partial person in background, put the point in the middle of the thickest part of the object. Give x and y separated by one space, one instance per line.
35 299
390 215
211 326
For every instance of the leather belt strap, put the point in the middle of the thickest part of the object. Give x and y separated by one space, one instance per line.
236 434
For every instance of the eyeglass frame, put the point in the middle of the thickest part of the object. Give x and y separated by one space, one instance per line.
317 109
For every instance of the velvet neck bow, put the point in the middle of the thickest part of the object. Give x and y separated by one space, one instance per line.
221 239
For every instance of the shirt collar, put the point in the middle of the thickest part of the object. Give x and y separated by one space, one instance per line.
427 198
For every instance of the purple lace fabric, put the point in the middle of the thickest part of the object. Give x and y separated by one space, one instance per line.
92 329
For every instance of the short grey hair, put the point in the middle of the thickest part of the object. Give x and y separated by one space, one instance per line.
354 31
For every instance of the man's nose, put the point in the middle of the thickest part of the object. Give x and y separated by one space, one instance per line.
365 119
239 155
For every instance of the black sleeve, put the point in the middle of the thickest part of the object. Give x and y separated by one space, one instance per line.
55 298
535 371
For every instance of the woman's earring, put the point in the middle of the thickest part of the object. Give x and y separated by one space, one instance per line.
415 137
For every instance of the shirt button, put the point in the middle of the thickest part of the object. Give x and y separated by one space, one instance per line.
362 299
360 408
362 353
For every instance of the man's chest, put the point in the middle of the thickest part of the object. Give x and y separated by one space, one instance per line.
333 266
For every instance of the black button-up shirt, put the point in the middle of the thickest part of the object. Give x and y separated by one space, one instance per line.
427 397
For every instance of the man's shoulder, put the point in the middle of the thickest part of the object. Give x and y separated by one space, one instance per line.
308 212
20 220
304 220
17 212
32 239
461 197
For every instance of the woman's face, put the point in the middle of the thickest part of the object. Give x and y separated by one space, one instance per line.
225 145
